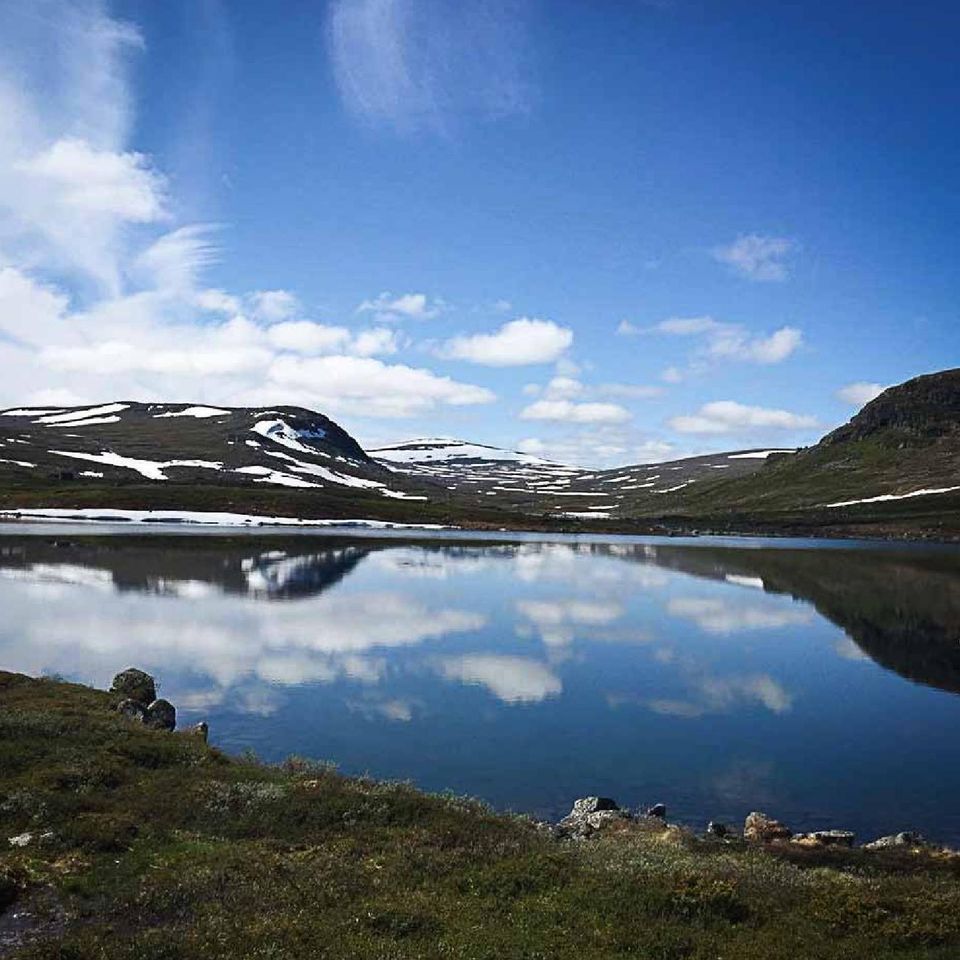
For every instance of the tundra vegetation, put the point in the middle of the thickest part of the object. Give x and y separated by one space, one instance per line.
120 840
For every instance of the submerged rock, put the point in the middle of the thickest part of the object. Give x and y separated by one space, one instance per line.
132 710
162 715
136 685
760 827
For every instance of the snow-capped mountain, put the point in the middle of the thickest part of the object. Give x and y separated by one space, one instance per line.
535 485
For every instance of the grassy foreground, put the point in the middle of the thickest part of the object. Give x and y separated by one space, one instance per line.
151 845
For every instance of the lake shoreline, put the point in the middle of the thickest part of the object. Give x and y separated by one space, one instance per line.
128 836
230 522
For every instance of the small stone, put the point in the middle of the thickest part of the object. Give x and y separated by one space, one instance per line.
760 827
715 829
199 730
657 810
132 710
905 839
136 685
162 715
834 838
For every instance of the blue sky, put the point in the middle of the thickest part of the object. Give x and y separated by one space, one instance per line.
605 232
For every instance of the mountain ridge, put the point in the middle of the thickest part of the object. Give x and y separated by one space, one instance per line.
287 460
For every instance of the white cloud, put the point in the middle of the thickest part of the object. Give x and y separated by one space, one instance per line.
728 416
732 341
85 214
388 308
420 64
364 386
723 615
859 393
516 343
735 345
511 679
567 411
757 257
273 306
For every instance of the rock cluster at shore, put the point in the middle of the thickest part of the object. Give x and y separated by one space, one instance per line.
140 703
590 815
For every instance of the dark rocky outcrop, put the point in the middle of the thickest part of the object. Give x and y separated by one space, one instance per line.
135 685
162 715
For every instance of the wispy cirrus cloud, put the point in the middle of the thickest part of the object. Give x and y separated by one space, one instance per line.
421 64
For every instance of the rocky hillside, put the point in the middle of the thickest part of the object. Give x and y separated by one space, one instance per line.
902 446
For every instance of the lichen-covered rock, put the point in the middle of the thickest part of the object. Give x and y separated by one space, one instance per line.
905 839
590 814
586 805
824 838
162 715
136 685
760 827
132 710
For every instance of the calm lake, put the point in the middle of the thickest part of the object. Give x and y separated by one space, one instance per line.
817 683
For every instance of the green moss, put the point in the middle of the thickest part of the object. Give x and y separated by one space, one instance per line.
162 847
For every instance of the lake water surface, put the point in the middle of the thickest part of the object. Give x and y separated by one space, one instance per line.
818 683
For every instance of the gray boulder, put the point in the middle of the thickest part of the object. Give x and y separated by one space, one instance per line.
162 715
906 839
135 685
132 710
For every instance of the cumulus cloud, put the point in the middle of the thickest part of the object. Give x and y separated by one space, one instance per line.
517 343
273 305
728 416
859 393
388 308
757 257
732 341
421 64
567 411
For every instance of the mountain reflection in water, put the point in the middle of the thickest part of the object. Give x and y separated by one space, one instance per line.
717 677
